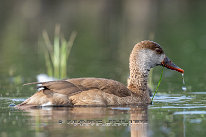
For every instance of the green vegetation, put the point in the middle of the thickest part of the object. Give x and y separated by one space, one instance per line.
56 54
158 83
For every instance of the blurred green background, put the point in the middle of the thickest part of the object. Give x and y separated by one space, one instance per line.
107 31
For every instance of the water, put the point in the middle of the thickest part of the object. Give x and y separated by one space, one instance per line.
184 88
168 115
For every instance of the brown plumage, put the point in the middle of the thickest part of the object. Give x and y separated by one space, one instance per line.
104 92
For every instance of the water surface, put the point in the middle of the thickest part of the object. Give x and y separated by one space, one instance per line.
170 115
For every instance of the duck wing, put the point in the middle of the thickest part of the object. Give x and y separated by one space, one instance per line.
61 87
104 85
74 86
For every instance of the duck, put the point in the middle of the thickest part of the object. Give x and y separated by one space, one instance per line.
105 92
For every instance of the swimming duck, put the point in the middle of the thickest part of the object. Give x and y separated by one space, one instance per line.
105 92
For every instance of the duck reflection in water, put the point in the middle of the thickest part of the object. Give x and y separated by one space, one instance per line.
95 119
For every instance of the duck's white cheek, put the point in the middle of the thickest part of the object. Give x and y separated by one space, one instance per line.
157 59
147 59
161 58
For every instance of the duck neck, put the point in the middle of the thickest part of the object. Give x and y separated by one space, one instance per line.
139 72
138 81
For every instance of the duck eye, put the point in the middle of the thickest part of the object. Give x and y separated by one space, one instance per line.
158 50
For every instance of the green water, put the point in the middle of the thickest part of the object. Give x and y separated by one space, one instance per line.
107 32
170 115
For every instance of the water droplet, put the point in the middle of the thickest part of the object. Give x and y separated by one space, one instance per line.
184 88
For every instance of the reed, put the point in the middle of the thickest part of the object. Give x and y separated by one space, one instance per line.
56 54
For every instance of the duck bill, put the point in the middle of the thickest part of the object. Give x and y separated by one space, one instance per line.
170 65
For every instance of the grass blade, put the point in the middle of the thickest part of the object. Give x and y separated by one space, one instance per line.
56 55
158 84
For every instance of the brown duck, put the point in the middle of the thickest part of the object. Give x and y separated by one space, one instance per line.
105 92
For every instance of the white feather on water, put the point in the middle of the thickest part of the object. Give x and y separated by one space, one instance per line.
44 78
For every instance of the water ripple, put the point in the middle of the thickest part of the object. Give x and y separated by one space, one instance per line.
189 112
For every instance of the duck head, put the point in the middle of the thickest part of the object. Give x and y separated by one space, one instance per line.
149 54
